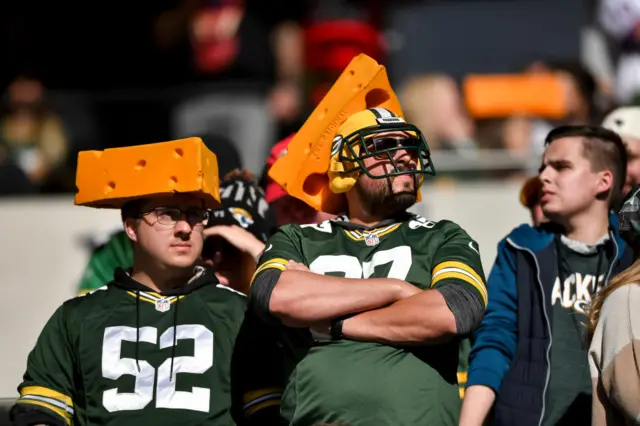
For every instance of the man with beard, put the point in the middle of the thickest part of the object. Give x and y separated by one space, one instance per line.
372 305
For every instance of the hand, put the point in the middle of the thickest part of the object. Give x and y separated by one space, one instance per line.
239 237
292 265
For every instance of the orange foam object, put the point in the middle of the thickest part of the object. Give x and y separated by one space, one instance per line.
302 171
109 178
503 95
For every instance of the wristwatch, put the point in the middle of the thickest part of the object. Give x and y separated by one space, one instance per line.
336 329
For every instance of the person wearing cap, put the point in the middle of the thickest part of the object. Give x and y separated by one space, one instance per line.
625 121
614 332
371 305
530 198
528 363
288 209
154 346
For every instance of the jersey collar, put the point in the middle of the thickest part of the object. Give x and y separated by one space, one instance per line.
344 222
202 277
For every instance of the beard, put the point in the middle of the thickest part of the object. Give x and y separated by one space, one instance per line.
382 202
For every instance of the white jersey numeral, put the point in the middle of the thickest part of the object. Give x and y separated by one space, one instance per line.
166 396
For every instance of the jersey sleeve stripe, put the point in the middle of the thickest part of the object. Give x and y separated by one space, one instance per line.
462 272
51 401
255 408
49 407
459 265
277 263
46 392
463 276
257 400
462 381
253 395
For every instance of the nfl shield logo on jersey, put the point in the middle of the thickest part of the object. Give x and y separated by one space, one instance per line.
163 305
372 239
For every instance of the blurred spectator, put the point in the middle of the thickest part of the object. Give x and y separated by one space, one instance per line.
620 19
626 122
435 105
522 135
530 198
288 209
254 50
31 134
335 31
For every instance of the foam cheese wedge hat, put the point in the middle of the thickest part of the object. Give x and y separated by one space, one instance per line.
302 171
110 178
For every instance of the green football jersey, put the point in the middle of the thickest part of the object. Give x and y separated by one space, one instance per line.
363 383
127 356
115 253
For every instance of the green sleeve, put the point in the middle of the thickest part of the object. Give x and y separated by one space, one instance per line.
457 260
47 385
117 252
283 246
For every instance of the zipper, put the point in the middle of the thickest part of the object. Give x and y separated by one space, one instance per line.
615 259
546 317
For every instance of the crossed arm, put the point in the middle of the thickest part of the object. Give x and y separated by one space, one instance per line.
384 310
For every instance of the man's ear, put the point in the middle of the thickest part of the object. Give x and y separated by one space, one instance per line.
131 228
604 184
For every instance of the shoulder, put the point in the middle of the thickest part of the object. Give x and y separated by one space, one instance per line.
419 223
621 304
442 229
221 293
295 231
86 303
529 237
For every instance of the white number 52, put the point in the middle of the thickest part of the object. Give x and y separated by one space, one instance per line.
113 367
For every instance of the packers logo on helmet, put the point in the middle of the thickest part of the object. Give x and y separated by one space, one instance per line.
363 136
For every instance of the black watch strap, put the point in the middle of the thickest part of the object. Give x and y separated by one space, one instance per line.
336 329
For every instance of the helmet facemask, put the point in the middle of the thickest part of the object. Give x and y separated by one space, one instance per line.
372 142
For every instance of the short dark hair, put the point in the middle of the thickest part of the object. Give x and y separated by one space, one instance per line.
132 208
603 148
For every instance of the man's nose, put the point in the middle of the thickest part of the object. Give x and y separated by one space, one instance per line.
183 226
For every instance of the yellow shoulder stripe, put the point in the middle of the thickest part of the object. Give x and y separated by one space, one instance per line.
459 270
276 263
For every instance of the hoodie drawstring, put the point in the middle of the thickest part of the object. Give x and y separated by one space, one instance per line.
138 328
175 337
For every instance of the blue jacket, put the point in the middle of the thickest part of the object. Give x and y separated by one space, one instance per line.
512 347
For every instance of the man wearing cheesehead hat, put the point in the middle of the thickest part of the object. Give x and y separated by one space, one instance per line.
371 304
154 345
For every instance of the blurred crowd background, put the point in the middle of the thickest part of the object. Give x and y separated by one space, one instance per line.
78 76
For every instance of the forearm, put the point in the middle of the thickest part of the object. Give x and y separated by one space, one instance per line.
301 299
421 319
476 405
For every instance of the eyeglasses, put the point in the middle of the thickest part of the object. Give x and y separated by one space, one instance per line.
169 216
